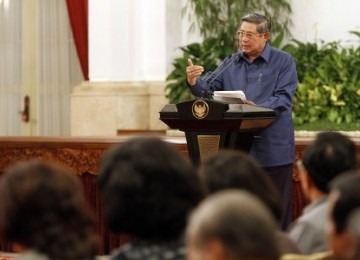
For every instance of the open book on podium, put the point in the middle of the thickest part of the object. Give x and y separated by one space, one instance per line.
230 97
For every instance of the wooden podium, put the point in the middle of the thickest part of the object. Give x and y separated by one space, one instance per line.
210 125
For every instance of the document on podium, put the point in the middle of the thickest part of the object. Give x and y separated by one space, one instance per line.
230 97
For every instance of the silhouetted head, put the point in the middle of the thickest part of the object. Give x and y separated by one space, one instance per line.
42 207
148 188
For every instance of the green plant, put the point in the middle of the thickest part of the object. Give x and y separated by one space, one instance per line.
217 21
205 53
325 125
220 18
329 79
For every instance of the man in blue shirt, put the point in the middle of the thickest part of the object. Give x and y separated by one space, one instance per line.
269 79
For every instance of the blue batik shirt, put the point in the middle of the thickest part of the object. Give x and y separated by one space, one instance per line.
269 81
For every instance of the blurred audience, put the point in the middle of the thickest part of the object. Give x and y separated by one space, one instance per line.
148 188
229 169
44 213
232 225
331 154
344 217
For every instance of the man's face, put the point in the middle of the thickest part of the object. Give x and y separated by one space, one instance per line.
251 42
334 239
341 244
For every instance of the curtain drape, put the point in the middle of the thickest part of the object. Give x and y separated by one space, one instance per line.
78 14
57 67
10 67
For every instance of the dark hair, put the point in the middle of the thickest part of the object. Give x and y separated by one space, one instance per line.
230 169
348 186
148 189
43 208
262 22
329 155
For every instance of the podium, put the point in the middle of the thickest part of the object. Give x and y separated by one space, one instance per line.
210 125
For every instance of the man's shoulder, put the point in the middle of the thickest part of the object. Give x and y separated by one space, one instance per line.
281 59
312 217
280 53
326 255
148 250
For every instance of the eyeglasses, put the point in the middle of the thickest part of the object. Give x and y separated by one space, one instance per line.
249 35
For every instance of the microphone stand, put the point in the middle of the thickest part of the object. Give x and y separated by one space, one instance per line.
209 79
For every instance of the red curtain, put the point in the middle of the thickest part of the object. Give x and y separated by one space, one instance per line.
78 14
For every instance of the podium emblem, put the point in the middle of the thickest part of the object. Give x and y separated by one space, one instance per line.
200 109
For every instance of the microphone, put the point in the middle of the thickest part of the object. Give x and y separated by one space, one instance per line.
209 79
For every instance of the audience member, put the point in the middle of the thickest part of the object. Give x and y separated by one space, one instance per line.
229 169
44 213
331 154
148 188
234 225
343 227
344 217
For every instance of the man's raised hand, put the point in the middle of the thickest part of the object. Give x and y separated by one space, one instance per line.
192 72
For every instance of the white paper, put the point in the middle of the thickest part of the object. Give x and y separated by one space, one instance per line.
236 96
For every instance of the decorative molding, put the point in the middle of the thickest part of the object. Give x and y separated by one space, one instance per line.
312 134
78 161
80 154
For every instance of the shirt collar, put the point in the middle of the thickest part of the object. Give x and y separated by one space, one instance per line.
315 204
265 55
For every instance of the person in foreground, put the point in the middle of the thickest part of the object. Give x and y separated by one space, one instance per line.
44 213
229 169
343 221
344 218
269 79
330 155
148 188
231 225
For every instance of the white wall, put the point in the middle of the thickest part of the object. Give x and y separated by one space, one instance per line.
126 40
137 40
328 20
177 31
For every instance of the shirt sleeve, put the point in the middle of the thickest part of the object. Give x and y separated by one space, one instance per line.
200 88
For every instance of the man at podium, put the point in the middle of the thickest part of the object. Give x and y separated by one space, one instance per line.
268 77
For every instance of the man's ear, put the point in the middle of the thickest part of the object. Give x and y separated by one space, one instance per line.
267 36
216 249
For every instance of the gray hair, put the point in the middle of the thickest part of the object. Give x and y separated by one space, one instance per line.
262 22
237 219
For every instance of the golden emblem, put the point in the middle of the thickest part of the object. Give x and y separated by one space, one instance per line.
200 109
